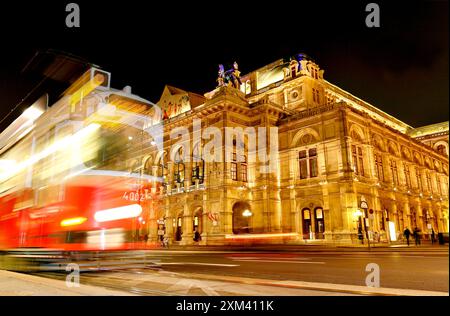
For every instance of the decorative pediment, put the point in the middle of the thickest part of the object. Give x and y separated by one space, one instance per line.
305 137
378 142
418 159
393 149
429 163
406 153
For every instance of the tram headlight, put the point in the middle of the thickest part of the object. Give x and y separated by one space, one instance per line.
73 221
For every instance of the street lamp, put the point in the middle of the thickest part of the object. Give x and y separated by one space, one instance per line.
365 206
358 214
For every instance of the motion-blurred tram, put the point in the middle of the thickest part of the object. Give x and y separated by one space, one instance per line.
73 176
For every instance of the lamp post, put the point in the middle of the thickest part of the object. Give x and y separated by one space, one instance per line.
365 206
358 215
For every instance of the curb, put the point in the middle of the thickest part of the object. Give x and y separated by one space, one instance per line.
326 287
83 290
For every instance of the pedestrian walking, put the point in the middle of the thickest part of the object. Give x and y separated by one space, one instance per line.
433 236
197 236
166 241
407 234
416 235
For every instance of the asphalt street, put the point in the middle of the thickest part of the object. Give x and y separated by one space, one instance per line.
177 271
412 269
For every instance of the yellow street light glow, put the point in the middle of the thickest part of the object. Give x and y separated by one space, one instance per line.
252 236
358 213
73 221
247 213
112 214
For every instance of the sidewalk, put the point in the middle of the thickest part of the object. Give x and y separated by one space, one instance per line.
313 247
17 284
186 284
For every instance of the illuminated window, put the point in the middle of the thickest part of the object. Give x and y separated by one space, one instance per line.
179 171
243 170
312 162
308 163
233 171
358 161
198 166
379 167
303 164
241 167
248 87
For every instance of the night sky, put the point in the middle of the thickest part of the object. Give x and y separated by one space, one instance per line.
401 67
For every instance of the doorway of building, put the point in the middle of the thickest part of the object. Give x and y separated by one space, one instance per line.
319 223
179 231
306 220
197 220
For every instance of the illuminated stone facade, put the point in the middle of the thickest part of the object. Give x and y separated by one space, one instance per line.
334 151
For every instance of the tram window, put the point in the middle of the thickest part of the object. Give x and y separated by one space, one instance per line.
47 195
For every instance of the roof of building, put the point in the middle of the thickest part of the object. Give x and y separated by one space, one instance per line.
195 99
429 130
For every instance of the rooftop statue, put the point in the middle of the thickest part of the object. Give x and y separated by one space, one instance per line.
231 77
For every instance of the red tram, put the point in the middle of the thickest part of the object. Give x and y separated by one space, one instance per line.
73 176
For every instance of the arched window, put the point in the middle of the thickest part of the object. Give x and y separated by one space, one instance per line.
407 176
394 172
358 160
248 87
179 171
148 167
379 167
162 170
198 165
418 179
